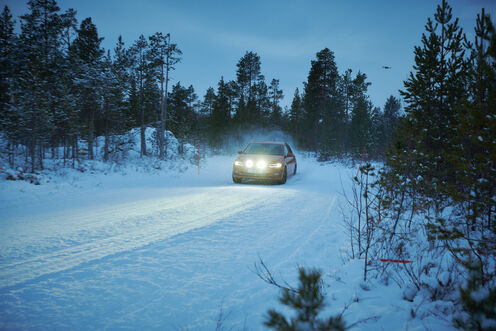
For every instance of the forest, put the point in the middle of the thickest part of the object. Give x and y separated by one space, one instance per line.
60 90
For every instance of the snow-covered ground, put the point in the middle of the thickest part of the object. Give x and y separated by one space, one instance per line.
176 250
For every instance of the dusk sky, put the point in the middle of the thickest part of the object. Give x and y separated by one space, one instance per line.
214 35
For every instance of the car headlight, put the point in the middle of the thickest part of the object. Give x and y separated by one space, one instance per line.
238 163
261 164
275 165
249 163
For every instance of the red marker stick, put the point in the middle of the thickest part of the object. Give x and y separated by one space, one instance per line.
363 153
391 260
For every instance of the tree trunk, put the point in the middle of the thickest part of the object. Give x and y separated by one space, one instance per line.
12 150
42 154
142 118
65 151
33 143
162 116
106 146
165 100
75 153
91 133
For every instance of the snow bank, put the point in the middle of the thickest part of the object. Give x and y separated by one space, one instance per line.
124 157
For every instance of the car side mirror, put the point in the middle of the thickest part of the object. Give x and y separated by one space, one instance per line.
240 152
290 155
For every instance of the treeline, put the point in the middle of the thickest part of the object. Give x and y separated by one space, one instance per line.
333 115
59 90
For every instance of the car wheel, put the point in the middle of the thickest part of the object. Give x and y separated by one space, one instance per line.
294 173
236 180
284 176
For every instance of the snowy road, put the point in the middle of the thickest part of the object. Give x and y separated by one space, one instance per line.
161 252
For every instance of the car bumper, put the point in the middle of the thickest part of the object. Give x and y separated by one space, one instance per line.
265 174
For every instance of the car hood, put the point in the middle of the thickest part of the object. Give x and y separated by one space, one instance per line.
256 157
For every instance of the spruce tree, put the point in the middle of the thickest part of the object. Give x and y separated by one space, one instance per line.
221 114
360 129
361 125
296 117
322 107
391 118
205 111
182 114
384 125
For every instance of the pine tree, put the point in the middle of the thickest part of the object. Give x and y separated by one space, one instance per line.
307 301
121 68
248 74
141 66
114 83
275 95
445 154
232 91
164 55
38 85
69 28
86 47
432 94
208 102
251 89
261 104
9 119
67 121
7 57
473 233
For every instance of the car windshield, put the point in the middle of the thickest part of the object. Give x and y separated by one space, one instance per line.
267 149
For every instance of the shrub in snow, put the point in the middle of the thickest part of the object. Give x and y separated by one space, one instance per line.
479 302
11 174
307 301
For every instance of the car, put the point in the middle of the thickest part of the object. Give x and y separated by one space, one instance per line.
273 161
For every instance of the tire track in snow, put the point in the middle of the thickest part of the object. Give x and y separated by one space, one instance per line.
308 238
136 230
